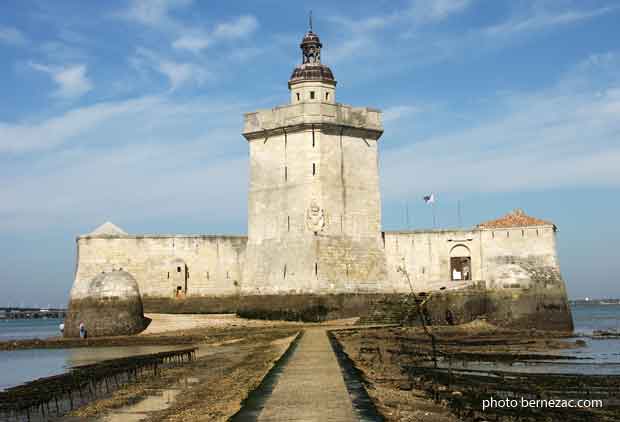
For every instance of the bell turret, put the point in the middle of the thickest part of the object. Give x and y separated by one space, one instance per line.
312 80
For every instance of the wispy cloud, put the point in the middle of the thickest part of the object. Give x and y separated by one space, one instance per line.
239 28
431 11
19 138
155 13
398 112
98 162
72 80
560 137
193 43
542 19
12 36
179 74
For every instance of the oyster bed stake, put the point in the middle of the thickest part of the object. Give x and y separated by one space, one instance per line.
55 395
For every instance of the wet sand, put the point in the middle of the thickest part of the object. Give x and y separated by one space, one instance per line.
210 388
164 329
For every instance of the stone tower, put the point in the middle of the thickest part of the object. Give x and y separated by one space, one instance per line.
314 207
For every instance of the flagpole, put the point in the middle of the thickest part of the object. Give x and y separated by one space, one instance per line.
407 213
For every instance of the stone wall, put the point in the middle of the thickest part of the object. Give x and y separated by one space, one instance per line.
202 266
502 258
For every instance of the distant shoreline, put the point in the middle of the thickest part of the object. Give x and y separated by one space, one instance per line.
594 301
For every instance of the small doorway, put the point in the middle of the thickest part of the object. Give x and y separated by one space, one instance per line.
460 263
460 268
179 274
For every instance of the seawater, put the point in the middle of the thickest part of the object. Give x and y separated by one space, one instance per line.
20 366
19 329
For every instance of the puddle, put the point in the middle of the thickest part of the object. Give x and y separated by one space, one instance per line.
158 400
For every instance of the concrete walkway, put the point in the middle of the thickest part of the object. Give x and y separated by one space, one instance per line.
311 387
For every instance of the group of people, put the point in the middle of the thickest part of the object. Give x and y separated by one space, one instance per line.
83 332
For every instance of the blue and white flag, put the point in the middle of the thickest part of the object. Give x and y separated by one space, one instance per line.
429 199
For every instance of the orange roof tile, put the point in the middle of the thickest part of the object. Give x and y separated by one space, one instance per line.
515 218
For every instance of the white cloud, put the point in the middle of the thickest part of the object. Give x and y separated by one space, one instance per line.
398 112
193 43
126 160
72 80
428 11
238 28
56 131
154 13
178 74
12 36
561 137
539 20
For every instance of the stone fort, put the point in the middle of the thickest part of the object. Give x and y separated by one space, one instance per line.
315 248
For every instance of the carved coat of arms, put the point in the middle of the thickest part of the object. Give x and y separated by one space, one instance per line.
315 217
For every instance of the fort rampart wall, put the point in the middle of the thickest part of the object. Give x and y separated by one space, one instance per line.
168 268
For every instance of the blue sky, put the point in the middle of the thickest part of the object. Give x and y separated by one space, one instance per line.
131 111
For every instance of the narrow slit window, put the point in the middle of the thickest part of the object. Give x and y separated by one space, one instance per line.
288 223
316 269
523 233
326 96
168 274
285 173
207 275
313 169
178 269
284 272
227 275
298 98
312 95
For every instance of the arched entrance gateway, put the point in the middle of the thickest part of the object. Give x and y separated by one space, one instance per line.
460 263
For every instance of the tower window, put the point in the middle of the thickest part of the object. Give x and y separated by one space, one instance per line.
312 95
316 269
178 269
298 96
326 96
313 169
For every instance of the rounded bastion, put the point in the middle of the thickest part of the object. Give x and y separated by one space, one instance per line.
109 306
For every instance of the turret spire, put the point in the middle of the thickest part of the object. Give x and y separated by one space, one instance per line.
310 21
